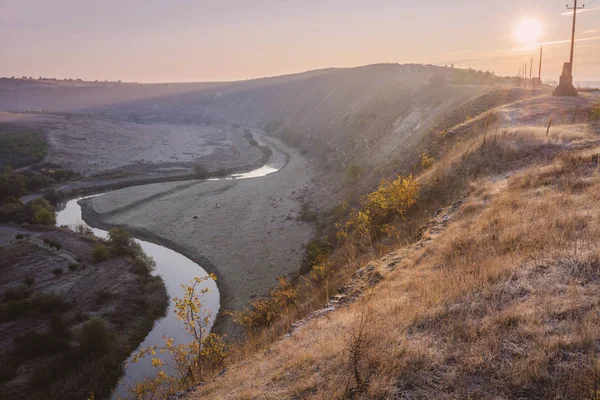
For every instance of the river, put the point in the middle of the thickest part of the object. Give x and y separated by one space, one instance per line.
175 269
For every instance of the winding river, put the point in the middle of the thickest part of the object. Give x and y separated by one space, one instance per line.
175 269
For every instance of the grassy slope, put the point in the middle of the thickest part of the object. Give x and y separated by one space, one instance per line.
498 298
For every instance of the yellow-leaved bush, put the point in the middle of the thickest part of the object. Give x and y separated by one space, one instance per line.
203 356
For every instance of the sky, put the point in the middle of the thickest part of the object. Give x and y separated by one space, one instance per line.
220 40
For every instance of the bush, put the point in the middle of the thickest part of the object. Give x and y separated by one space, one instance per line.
54 196
122 242
100 253
95 337
48 303
262 312
201 172
143 265
57 271
253 142
42 212
52 243
15 309
73 267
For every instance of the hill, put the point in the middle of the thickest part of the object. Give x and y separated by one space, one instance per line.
487 287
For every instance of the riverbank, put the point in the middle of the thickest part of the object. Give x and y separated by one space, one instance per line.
246 231
68 322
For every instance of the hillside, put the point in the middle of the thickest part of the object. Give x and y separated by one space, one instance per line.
378 117
489 289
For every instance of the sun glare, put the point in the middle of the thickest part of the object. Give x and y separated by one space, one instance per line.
528 31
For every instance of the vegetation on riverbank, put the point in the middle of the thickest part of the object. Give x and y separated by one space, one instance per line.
66 334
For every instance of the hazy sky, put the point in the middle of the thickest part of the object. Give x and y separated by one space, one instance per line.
201 40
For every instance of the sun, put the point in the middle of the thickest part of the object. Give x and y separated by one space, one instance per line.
528 30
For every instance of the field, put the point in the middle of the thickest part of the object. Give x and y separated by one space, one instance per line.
20 146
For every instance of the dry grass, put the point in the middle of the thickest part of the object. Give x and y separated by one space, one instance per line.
502 303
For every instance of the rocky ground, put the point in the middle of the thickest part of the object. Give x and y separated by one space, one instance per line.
247 231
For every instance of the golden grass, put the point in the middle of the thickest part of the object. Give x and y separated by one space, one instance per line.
502 303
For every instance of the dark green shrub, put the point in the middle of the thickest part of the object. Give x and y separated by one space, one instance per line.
253 142
48 303
95 337
14 309
73 267
57 271
122 242
100 253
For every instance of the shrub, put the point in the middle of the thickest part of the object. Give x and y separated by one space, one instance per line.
377 209
53 196
42 212
100 253
122 242
201 172
73 267
426 161
14 309
53 243
253 142
19 293
143 264
262 312
95 337
57 271
48 303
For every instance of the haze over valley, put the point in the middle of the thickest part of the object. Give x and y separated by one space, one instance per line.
422 229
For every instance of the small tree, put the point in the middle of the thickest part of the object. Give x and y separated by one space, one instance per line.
192 362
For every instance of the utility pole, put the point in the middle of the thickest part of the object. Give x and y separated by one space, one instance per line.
565 87
530 68
540 73
574 8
